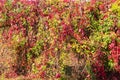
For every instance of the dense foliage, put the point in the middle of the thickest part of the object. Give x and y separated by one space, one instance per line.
63 39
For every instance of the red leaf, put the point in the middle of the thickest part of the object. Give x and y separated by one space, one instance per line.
102 7
58 75
66 0
113 1
93 2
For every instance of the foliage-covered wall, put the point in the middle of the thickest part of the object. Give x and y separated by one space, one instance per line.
62 39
